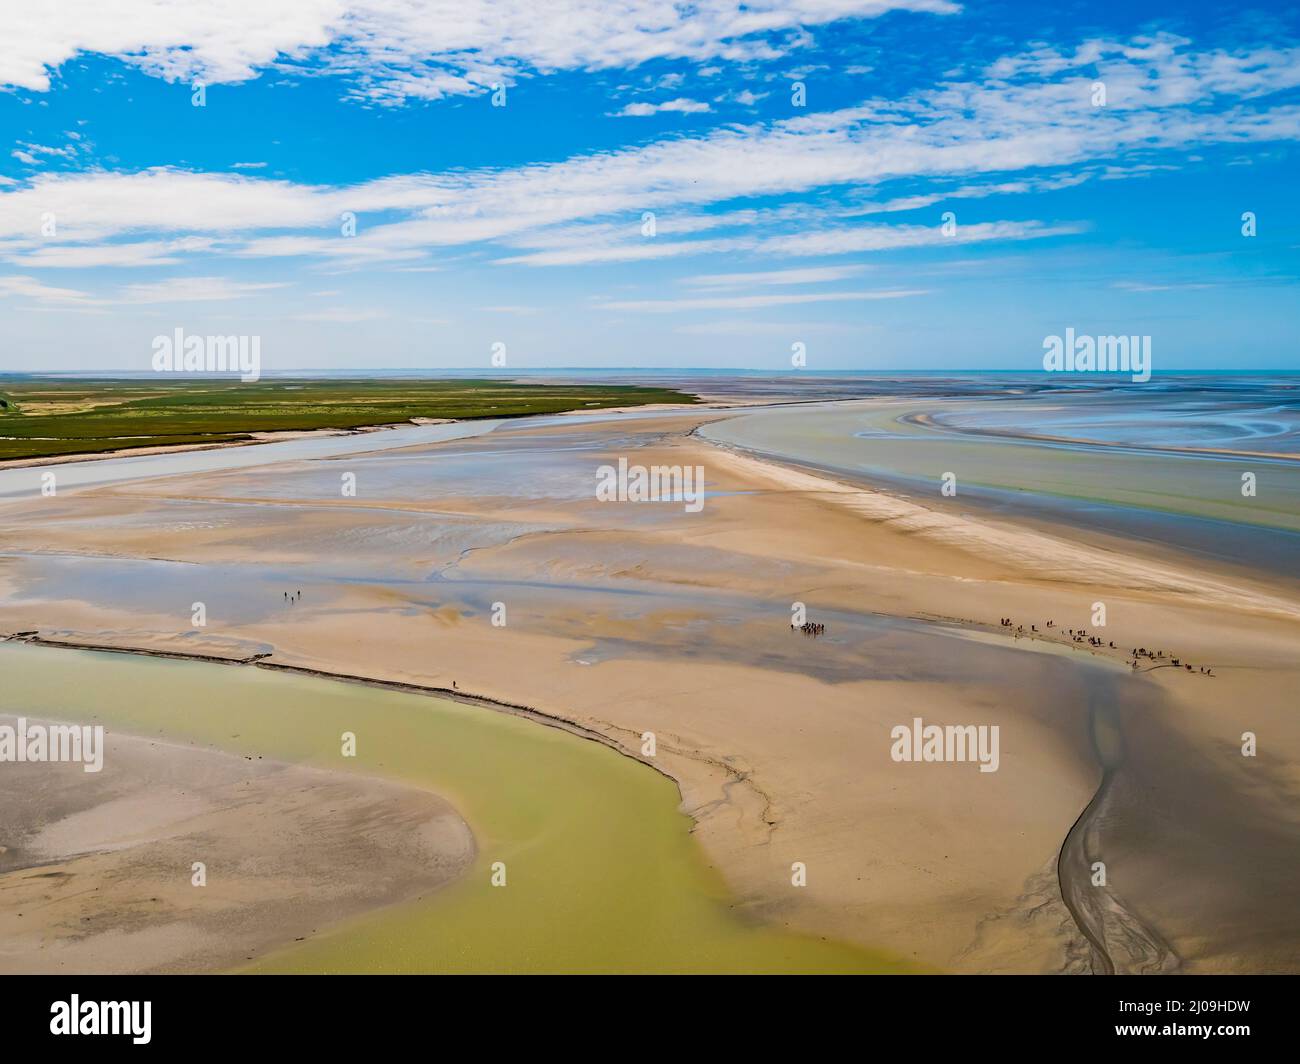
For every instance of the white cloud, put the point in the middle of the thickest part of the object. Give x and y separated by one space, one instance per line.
31 288
681 105
588 208
646 251
176 290
1142 286
893 237
98 204
394 49
754 302
191 290
135 253
810 275
68 151
820 234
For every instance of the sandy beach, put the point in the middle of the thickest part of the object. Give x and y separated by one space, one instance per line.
629 619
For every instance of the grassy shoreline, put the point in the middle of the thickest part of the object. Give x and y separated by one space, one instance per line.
52 418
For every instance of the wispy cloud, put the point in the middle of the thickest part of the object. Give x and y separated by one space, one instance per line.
135 253
893 237
176 290
341 315
810 275
753 302
756 327
193 290
1143 286
31 288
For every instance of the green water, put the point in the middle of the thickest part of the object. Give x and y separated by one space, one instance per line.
601 872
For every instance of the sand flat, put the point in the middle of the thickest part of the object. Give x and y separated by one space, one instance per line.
626 619
96 870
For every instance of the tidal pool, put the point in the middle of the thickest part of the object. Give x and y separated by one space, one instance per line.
602 874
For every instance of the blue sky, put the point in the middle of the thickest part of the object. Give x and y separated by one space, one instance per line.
126 211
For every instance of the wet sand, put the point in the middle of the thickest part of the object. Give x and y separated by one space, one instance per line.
598 870
628 618
1178 495
97 869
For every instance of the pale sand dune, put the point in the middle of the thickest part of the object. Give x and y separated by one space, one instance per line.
780 745
96 868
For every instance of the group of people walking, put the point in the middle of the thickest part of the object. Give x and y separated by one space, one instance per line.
1137 654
